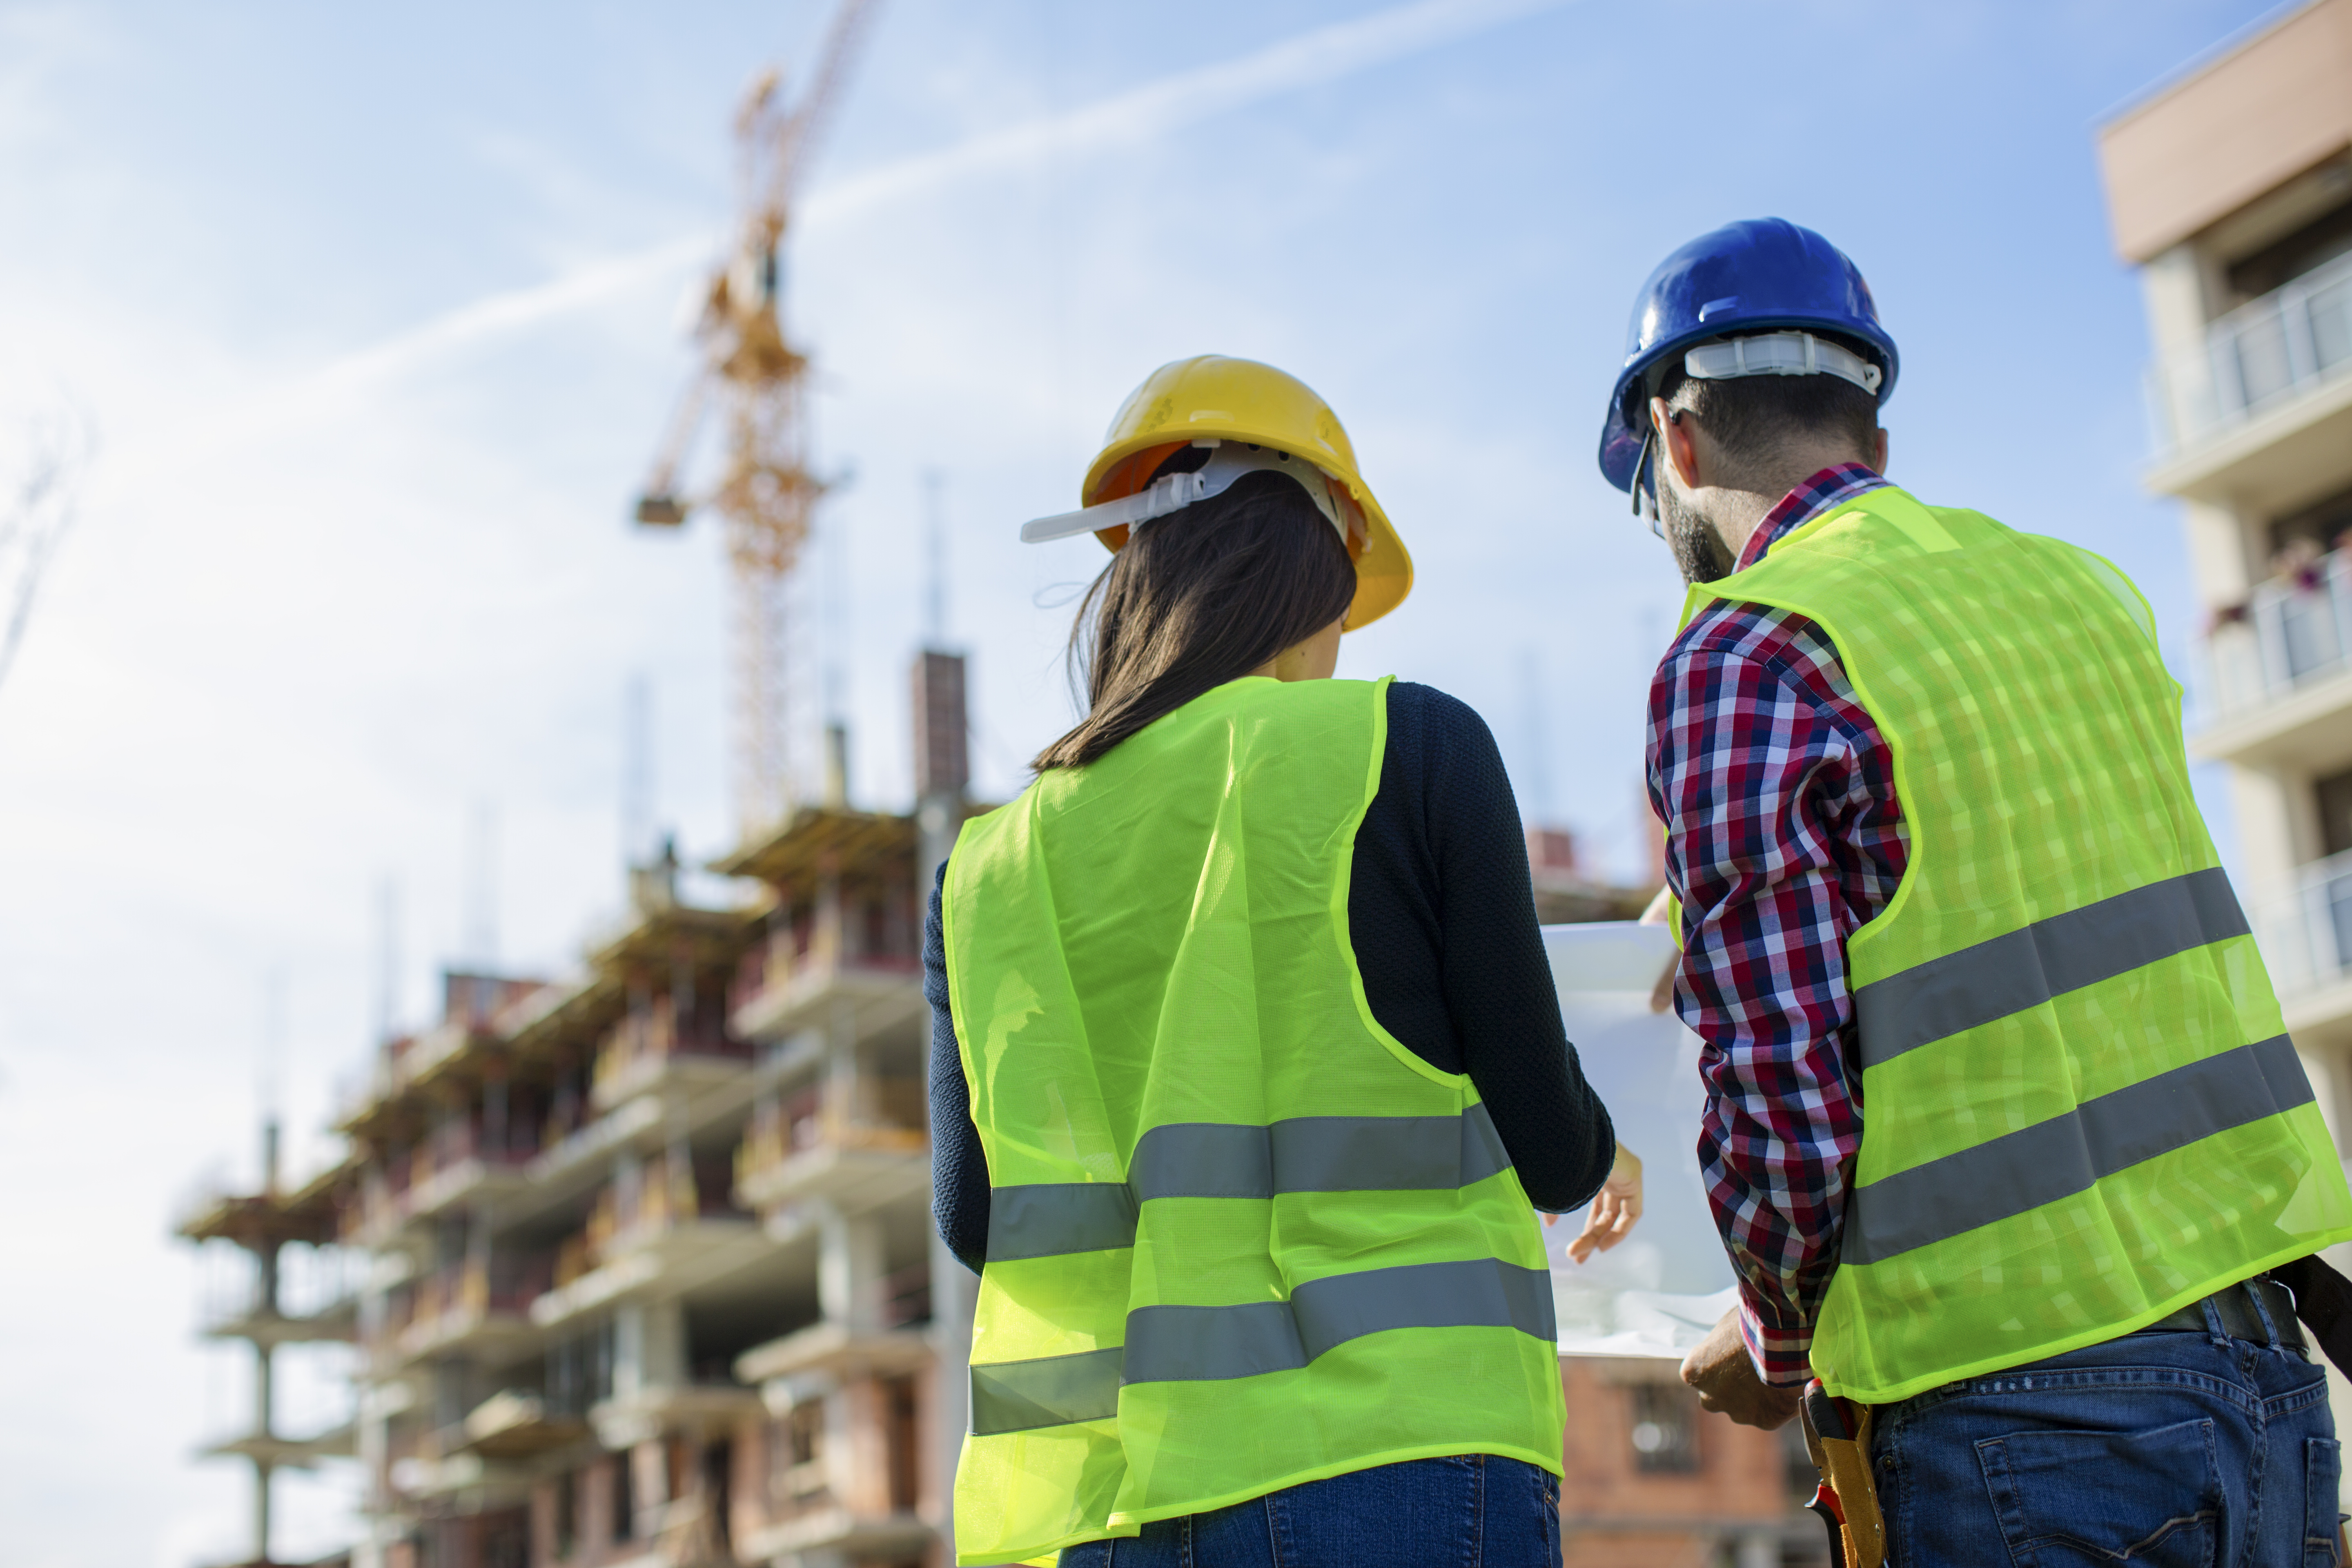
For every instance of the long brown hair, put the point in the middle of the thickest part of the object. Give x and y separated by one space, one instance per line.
1198 598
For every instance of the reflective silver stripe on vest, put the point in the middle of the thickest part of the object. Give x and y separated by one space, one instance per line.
1192 1344
1052 1391
2023 1170
1172 1344
1218 1160
1959 991
1046 1219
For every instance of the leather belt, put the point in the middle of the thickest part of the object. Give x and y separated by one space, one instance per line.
2239 1320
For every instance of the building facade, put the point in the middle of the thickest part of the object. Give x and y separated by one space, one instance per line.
2231 191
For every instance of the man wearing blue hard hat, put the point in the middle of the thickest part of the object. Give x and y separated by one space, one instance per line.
2018 1169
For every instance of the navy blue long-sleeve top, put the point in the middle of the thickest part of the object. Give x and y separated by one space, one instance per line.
1441 912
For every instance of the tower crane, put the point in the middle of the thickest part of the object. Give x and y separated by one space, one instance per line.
765 493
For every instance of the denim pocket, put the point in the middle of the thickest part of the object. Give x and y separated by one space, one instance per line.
2323 1472
2067 1499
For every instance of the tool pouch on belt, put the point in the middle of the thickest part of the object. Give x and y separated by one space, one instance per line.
1837 1436
2323 1300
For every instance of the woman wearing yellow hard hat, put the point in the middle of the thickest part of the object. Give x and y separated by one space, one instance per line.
1247 1066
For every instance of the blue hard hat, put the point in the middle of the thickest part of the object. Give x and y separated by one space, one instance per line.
1752 276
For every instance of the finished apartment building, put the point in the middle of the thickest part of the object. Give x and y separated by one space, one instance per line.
2231 189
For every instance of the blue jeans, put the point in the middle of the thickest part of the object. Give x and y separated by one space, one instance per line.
2168 1449
1467 1510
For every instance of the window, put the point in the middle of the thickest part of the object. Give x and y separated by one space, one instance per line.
2321 524
2283 261
1665 1429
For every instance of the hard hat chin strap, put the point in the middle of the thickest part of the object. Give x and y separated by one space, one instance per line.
1228 461
1780 354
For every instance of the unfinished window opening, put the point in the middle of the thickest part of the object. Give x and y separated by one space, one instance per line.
567 1514
903 1437
719 1488
1665 1429
625 1498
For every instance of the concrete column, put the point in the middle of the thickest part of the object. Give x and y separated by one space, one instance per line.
648 1348
849 1268
1758 1549
2226 558
942 772
2266 827
955 1292
648 1464
2173 287
845 1087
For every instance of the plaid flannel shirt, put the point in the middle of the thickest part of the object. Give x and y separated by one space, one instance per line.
1782 838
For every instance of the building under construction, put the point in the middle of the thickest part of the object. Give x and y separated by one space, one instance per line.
650 1272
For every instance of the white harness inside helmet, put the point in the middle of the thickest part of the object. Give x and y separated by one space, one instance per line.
1228 461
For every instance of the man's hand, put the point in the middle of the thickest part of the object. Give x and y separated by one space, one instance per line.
1662 994
1726 1381
1615 1208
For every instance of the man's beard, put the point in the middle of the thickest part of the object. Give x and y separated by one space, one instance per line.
1698 549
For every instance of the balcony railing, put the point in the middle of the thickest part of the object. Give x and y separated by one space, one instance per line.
2306 926
666 1195
811 1122
2292 632
635 1049
2291 339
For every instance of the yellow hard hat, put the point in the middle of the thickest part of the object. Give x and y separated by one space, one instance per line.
1210 398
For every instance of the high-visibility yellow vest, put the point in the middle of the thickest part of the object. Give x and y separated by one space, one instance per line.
1239 1236
2080 1108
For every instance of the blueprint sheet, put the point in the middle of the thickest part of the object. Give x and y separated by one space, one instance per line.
1658 1291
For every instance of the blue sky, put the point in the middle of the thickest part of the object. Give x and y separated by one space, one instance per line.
376 312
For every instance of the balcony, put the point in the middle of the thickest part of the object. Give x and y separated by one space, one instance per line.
801 974
2289 340
665 1223
655 1048
2306 933
626 1420
2278 670
807 1146
284 1452
835 1349
517 1424
336 1322
2267 403
467 1306
832 1529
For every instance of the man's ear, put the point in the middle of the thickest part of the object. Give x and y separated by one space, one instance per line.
1676 443
1879 454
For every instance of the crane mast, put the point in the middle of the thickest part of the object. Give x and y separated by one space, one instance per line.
766 493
